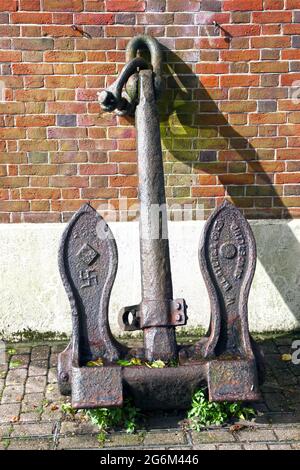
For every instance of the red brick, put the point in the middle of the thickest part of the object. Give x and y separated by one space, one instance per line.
94 18
65 5
66 108
64 82
94 5
62 18
239 56
29 5
95 69
283 178
123 181
8 5
32 69
123 31
69 181
211 43
269 67
272 17
12 133
212 68
67 133
35 121
60 31
10 56
268 167
269 42
40 193
270 29
30 44
125 5
102 193
237 30
121 133
98 44
292 4
183 5
208 191
287 154
237 179
98 169
239 80
33 17
273 4
34 95
67 205
274 142
64 56
232 76
14 206
242 5
268 118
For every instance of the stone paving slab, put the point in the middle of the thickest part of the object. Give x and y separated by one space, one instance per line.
30 444
31 416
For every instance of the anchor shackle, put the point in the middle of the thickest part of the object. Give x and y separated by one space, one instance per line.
141 42
112 99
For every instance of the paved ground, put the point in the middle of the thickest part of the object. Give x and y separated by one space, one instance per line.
31 418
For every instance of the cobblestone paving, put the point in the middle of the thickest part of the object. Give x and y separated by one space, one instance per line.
31 416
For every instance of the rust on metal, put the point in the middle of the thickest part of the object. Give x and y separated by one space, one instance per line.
226 360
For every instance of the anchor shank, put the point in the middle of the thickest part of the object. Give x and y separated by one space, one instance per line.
157 291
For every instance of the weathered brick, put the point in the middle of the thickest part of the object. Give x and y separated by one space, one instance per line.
242 5
38 44
66 5
35 121
10 56
95 69
32 17
8 5
125 5
65 56
183 5
29 5
238 107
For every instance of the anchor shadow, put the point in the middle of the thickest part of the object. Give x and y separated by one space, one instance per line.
193 130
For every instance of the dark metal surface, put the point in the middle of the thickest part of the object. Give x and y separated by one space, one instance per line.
130 317
97 387
112 98
157 290
226 360
88 261
169 388
227 256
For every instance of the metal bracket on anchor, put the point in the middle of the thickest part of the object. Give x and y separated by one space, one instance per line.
130 318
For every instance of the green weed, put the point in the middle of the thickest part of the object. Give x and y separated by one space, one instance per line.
204 413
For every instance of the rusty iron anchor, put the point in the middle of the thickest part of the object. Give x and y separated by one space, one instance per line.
226 360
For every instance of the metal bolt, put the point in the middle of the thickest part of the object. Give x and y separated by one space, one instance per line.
178 306
64 376
107 100
178 317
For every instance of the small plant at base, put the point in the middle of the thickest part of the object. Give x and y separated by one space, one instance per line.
204 413
108 418
68 409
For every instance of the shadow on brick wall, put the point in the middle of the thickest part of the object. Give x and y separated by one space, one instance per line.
199 143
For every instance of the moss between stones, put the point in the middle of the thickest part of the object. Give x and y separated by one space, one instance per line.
192 333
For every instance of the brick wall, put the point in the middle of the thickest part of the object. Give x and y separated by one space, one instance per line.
230 117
